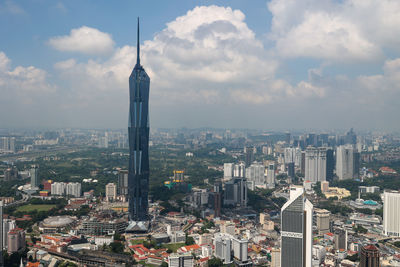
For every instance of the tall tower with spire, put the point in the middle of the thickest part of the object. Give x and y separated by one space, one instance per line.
138 131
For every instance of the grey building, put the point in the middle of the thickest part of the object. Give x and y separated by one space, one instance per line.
123 182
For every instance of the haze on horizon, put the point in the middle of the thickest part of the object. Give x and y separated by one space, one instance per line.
224 64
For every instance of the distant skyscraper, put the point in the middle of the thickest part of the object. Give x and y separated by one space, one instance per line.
111 192
228 170
34 176
347 162
256 172
391 213
271 176
315 165
369 256
223 246
240 248
138 131
236 192
249 156
123 182
296 230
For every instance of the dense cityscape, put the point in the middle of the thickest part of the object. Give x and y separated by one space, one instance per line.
143 195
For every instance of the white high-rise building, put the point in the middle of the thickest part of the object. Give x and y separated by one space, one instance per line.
275 257
346 162
228 170
315 164
256 172
391 213
296 230
292 155
111 192
73 189
223 246
240 249
239 170
58 188
271 176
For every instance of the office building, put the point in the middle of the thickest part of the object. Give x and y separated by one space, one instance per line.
123 182
347 162
391 213
34 172
368 189
296 230
369 256
180 260
322 217
15 240
73 189
239 170
249 156
58 188
235 192
256 173
111 192
8 224
223 246
271 176
292 155
7 144
138 133
290 170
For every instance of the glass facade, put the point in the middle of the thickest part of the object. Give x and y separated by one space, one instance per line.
138 131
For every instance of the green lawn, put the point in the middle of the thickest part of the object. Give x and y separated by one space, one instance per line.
173 247
137 241
30 207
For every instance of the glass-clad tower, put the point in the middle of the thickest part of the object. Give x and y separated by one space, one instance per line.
138 131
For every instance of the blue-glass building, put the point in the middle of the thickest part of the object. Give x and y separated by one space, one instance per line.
138 131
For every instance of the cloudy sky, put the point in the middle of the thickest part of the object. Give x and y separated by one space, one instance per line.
280 64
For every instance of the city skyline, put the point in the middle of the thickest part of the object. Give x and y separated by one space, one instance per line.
205 61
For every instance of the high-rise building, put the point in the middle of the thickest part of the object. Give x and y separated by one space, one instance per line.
180 260
271 176
34 176
240 249
236 192
123 182
58 188
16 240
256 173
341 239
249 156
369 256
73 189
228 170
239 170
323 220
138 131
315 165
347 162
111 192
223 246
296 230
391 213
8 224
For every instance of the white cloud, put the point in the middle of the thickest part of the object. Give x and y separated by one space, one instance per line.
349 30
84 40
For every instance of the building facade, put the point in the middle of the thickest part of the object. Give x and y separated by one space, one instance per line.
369 256
34 176
391 213
111 192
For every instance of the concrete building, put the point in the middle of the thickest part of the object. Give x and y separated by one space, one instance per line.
34 172
369 256
111 192
296 230
180 260
228 228
256 173
123 182
322 220
222 248
235 192
16 240
316 164
275 257
324 186
58 188
8 224
73 189
240 247
347 162
341 239
271 176
391 213
228 171
368 189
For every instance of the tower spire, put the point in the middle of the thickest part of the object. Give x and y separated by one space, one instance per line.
138 44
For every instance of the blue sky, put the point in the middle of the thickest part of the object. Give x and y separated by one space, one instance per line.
279 64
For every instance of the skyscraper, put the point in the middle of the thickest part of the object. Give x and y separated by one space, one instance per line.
315 164
296 233
391 214
34 176
347 162
138 132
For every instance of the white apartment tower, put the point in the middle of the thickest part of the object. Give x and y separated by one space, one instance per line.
315 164
391 213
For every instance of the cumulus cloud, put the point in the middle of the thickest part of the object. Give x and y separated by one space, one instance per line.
349 30
84 40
